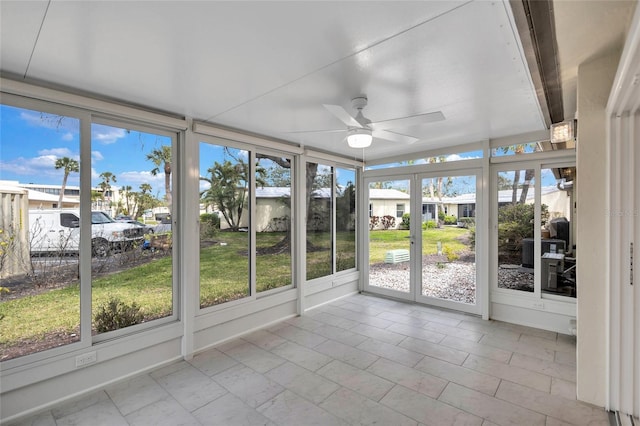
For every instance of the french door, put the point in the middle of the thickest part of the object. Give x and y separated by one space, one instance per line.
422 238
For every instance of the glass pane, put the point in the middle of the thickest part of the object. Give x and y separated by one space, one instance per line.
389 244
516 196
345 219
558 275
224 209
448 238
461 156
319 220
273 222
131 235
39 256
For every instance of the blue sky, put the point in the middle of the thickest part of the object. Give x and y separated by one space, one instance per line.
31 142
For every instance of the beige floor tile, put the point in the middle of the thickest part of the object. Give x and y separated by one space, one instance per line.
384 335
509 372
417 332
191 387
427 410
302 356
408 377
550 368
251 387
479 349
230 410
358 410
254 357
330 319
525 348
303 382
391 352
403 319
288 409
348 337
434 350
135 393
460 333
166 412
264 339
463 376
300 336
363 382
104 413
570 411
489 328
78 404
212 362
345 353
563 388
490 408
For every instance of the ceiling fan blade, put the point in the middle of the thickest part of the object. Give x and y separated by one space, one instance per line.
342 115
413 120
395 137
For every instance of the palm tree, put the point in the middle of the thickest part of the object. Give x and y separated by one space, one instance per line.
162 157
105 185
68 165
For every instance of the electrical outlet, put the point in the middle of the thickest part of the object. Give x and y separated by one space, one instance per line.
86 359
538 305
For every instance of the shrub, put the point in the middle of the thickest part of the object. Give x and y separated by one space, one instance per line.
450 220
430 224
373 222
406 221
451 255
116 314
209 224
388 222
515 222
467 221
441 216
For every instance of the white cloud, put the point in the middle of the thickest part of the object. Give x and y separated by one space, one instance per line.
134 179
58 152
106 134
43 165
96 156
67 136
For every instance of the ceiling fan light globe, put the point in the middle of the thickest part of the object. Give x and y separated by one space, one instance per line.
359 138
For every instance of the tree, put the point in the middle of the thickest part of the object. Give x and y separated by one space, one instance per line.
228 190
162 157
528 175
105 185
68 165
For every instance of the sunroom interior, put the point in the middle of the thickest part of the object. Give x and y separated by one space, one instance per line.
244 113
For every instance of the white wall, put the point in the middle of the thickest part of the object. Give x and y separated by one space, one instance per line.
595 79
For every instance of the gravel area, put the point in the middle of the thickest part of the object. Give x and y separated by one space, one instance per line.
440 279
447 280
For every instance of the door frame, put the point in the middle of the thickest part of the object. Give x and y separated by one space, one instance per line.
415 177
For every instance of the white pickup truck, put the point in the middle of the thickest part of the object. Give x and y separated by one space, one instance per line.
58 231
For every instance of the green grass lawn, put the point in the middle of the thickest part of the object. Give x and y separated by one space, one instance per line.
224 276
450 237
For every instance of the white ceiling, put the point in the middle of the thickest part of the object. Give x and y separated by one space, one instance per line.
267 67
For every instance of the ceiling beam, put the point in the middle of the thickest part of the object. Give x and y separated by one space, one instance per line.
536 25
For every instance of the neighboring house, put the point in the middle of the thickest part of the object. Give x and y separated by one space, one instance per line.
388 202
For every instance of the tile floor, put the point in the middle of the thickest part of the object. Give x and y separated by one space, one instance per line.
360 360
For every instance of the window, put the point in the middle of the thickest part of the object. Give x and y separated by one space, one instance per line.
345 219
399 210
41 308
69 220
319 220
132 270
331 214
224 241
273 222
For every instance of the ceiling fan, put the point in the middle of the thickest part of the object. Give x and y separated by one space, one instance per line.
361 130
